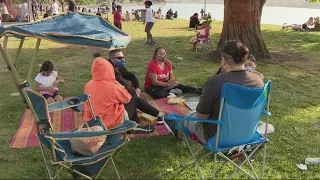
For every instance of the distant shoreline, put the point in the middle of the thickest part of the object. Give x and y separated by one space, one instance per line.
141 4
308 6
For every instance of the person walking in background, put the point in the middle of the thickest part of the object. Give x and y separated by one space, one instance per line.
55 8
202 13
34 6
149 22
117 21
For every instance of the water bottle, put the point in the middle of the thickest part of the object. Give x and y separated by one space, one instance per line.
312 160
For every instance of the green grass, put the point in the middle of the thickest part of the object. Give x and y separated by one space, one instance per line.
295 102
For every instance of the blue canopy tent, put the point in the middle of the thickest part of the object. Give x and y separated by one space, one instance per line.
77 29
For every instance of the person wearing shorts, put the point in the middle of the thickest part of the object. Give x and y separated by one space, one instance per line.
149 22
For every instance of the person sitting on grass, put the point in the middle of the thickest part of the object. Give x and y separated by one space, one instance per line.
159 80
131 83
233 57
47 81
194 21
202 35
106 94
251 65
175 15
169 14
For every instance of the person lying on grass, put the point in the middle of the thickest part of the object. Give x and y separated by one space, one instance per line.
131 83
233 57
47 81
159 80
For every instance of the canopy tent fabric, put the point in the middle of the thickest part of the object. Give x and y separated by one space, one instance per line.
75 29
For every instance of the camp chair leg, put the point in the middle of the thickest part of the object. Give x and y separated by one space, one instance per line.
234 164
193 156
189 159
96 177
247 159
254 172
19 50
75 171
57 171
264 158
203 157
115 168
31 65
214 166
45 162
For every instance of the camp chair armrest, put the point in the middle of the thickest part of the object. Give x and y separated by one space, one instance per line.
267 113
176 117
126 126
68 103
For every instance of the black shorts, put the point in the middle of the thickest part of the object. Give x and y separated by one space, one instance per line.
149 26
57 93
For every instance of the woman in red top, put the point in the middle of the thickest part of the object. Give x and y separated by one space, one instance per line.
160 79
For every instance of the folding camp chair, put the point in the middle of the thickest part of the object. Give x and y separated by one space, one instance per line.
204 45
58 142
240 111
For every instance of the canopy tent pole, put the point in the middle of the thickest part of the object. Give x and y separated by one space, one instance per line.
17 80
19 50
31 65
205 6
13 69
5 42
29 18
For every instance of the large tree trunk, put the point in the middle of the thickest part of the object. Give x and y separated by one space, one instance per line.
242 22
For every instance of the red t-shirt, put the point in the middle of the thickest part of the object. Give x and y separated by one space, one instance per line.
117 18
154 68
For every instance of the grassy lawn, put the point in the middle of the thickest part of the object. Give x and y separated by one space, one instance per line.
295 102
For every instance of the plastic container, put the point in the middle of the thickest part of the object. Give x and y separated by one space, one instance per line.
312 160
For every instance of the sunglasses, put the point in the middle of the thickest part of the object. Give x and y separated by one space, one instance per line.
119 58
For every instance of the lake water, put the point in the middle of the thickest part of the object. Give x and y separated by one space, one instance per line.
271 15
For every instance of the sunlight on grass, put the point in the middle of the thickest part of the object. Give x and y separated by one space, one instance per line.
295 101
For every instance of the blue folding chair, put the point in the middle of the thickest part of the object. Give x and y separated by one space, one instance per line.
240 111
58 143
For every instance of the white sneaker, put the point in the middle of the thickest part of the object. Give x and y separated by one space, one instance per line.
160 120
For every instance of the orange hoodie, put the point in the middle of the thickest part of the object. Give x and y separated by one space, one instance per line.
107 95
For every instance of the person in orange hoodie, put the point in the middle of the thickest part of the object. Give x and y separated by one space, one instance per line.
107 95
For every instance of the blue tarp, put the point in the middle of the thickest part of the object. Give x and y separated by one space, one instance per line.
73 28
